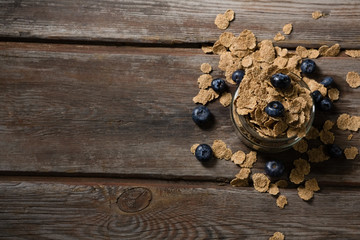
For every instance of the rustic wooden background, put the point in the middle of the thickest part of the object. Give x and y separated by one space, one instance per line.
95 122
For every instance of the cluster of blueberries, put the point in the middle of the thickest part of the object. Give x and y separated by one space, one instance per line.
202 116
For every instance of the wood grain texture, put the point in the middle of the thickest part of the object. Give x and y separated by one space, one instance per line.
175 21
126 111
77 209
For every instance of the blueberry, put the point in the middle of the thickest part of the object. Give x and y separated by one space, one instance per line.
334 150
274 168
327 81
203 153
308 66
326 104
280 80
218 85
201 115
238 76
274 109
317 96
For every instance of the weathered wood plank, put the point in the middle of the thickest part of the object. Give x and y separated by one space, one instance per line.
126 111
76 209
175 21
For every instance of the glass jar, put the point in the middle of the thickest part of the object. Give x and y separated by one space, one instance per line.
252 138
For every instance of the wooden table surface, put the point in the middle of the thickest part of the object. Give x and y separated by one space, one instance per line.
96 129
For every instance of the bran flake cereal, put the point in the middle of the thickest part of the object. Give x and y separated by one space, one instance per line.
313 53
332 51
328 125
302 51
204 81
316 15
226 39
229 15
261 182
243 173
304 193
281 183
347 122
205 95
273 189
277 236
279 37
296 176
323 49
218 48
312 134
287 28
312 185
220 150
302 166
281 62
301 146
250 159
193 148
247 61
281 201
238 157
236 182
205 68
333 94
221 21
225 99
353 79
207 49
353 53
281 52
349 137
351 153
317 155
327 137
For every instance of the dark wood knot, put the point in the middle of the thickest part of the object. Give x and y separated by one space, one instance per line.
134 199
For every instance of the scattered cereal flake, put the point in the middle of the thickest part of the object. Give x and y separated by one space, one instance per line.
312 134
281 183
193 148
280 62
313 53
351 152
301 146
273 189
349 137
279 37
323 49
204 81
304 193
281 52
317 14
332 51
238 157
317 155
247 61
312 185
287 28
353 53
221 21
261 182
236 182
207 49
333 94
229 15
218 48
243 173
220 150
205 68
302 51
277 236
353 79
250 159
328 125
205 95
281 201
347 122
302 166
225 99
327 137
314 85
226 39
296 176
